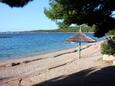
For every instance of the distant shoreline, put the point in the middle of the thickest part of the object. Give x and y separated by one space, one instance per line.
36 32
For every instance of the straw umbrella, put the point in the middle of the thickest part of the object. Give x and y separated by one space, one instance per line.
79 38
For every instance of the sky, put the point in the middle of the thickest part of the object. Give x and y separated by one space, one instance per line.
30 17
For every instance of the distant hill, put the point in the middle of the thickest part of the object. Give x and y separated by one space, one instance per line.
69 29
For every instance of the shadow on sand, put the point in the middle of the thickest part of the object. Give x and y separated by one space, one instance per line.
89 77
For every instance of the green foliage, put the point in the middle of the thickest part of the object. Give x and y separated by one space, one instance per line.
112 45
112 32
44 30
105 49
68 29
90 12
109 46
56 12
62 25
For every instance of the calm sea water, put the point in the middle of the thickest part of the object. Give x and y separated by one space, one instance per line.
23 45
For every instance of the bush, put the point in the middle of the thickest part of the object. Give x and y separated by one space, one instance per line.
105 49
108 47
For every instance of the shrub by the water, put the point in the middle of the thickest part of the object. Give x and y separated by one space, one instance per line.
105 49
112 45
108 47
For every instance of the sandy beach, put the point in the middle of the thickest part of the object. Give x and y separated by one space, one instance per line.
34 70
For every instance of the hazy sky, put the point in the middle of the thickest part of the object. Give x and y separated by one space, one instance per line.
30 17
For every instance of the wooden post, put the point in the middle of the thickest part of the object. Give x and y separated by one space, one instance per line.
79 50
80 43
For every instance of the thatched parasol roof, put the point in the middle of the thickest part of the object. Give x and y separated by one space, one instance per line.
80 37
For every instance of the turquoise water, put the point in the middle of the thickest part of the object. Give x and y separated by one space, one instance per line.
26 44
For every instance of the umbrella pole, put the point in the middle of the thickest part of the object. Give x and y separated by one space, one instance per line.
79 50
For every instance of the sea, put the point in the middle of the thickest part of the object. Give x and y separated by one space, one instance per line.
22 45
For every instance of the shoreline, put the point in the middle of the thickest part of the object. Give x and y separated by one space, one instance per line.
41 68
31 58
